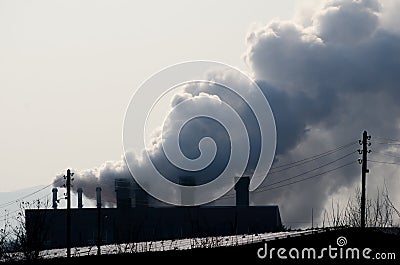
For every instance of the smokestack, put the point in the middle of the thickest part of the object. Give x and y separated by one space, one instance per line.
98 197
187 197
123 190
141 196
55 201
80 191
242 191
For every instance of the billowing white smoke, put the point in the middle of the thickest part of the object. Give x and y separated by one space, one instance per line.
327 82
103 176
326 79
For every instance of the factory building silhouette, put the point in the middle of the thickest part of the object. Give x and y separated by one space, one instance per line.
135 220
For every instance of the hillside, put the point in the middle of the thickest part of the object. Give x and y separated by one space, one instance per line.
373 243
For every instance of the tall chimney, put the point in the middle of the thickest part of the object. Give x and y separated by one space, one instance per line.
80 191
98 197
55 201
141 196
242 191
123 190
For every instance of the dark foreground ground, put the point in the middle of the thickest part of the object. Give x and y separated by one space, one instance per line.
373 246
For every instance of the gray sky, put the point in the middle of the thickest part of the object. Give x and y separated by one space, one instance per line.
69 68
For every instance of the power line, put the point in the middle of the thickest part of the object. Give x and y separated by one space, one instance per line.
28 195
389 155
365 142
389 143
301 180
287 166
20 200
8 215
11 214
265 188
384 162
283 167
306 172
387 139
317 156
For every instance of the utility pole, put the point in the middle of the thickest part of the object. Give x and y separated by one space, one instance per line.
98 195
312 218
364 170
68 197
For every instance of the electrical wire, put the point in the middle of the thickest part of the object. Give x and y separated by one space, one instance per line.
8 215
266 187
7 204
388 155
388 143
315 157
387 139
301 180
311 170
384 162
282 168
308 171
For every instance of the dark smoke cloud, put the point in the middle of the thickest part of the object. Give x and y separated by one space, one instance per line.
326 82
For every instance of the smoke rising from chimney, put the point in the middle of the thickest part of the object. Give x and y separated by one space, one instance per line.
326 79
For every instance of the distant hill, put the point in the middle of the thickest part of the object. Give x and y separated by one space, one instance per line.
10 202
6 197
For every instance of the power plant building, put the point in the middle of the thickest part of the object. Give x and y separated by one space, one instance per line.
134 220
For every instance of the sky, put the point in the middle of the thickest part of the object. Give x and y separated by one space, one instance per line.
329 70
69 68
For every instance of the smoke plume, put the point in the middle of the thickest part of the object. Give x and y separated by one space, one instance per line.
327 78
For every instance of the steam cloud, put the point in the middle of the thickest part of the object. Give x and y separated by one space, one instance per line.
327 78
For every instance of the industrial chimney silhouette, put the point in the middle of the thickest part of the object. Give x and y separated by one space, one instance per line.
242 191
98 197
123 190
55 201
141 196
80 204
